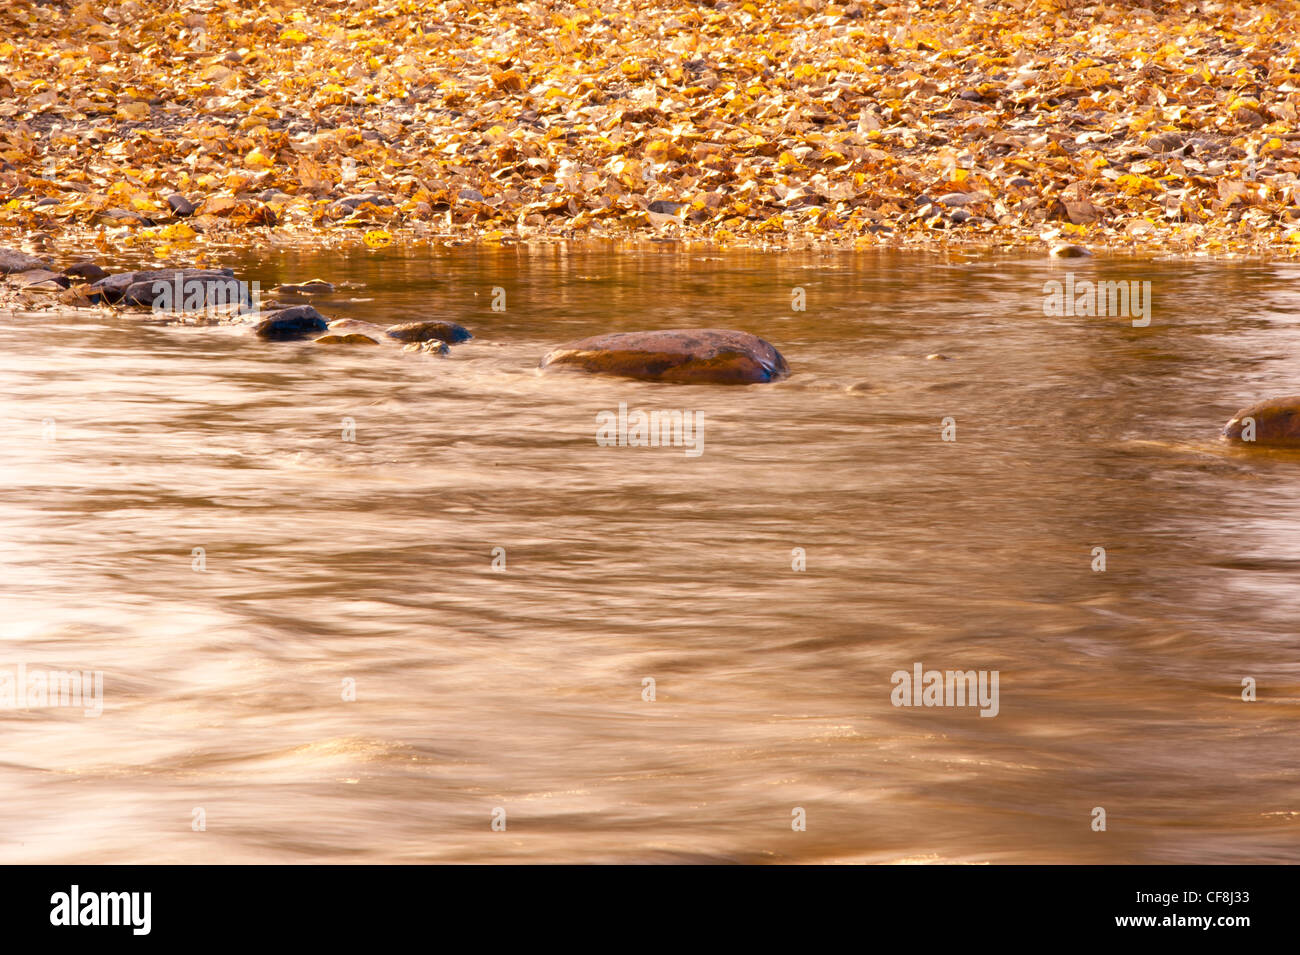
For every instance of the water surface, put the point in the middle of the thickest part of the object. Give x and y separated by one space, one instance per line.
371 560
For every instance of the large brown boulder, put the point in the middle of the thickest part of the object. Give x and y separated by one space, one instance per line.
1274 422
695 356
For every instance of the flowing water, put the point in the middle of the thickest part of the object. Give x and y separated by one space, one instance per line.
369 563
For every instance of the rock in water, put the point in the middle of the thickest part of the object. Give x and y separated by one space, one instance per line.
448 332
1274 423
697 356
1064 250
145 287
301 321
310 287
85 272
431 347
11 260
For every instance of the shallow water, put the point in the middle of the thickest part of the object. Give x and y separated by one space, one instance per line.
372 560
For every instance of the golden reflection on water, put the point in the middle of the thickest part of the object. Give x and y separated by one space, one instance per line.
371 560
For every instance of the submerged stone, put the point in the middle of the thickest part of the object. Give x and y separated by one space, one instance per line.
448 332
701 355
432 347
1274 422
349 326
355 338
301 321
310 287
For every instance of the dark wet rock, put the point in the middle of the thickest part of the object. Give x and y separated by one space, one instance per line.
144 287
11 260
1274 422
33 278
707 355
432 347
85 272
352 339
301 321
180 206
448 332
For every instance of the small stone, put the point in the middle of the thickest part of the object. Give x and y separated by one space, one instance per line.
936 357
1064 250
180 206
957 198
959 216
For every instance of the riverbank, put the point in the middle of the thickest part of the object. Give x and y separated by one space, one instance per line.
1017 125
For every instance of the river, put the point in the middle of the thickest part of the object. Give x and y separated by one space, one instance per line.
240 534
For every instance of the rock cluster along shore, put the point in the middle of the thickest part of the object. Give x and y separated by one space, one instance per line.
690 356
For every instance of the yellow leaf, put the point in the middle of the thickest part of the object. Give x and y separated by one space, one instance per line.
176 231
378 238
259 160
